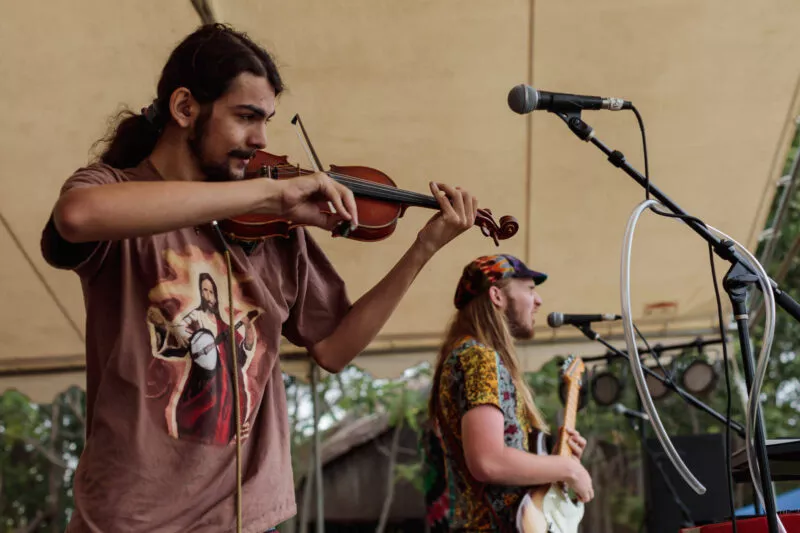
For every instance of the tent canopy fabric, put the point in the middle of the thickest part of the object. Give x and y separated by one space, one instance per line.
418 90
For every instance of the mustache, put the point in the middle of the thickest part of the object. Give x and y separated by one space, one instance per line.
242 154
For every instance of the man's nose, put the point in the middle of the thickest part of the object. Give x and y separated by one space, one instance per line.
258 139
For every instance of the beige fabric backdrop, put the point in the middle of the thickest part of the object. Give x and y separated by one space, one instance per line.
418 90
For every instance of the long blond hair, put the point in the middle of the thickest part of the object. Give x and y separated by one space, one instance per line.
488 325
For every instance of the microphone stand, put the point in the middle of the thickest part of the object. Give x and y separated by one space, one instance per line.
737 274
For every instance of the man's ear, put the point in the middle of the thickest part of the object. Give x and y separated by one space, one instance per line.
497 296
183 107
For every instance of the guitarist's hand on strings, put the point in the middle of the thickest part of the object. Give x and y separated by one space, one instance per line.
580 481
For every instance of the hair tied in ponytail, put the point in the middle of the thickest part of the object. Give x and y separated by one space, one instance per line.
206 63
151 113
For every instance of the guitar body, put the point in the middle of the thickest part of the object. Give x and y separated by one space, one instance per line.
549 508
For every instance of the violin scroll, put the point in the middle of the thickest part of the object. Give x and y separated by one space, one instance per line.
507 228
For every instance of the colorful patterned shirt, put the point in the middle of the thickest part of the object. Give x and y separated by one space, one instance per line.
474 375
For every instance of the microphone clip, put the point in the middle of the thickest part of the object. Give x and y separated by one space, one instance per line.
574 122
587 330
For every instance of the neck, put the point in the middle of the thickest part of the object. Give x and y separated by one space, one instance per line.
173 159
570 412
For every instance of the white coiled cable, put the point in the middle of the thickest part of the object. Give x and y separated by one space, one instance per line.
633 352
638 373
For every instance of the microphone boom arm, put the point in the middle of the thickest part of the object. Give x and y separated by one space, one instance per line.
585 132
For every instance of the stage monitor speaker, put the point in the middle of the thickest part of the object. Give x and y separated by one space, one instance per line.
704 455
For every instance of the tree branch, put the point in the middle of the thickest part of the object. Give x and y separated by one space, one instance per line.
48 454
308 486
75 407
327 407
31 527
56 473
400 449
783 270
390 481
296 408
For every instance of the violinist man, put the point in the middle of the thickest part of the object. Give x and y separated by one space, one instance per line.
135 227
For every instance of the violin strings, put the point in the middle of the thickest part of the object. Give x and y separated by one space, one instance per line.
345 179
366 184
386 191
369 187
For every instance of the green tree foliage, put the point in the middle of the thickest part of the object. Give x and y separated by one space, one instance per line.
39 449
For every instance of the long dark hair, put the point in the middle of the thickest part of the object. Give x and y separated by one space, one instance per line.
205 62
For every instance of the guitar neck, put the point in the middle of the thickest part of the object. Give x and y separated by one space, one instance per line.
570 414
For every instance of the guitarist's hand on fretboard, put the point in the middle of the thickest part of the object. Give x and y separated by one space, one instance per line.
576 443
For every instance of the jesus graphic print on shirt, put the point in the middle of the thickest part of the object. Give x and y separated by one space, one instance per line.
190 337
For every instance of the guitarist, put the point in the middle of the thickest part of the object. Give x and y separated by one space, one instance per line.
482 411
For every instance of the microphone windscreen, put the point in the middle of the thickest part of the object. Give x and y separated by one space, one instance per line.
555 320
522 99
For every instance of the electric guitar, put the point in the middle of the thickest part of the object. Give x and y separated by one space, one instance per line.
549 509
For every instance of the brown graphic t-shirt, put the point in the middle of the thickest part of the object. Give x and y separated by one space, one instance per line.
160 448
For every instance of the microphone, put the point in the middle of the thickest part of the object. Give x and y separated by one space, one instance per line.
630 413
523 99
555 320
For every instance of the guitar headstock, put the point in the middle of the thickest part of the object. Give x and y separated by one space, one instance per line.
572 370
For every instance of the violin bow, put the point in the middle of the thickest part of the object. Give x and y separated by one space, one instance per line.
343 228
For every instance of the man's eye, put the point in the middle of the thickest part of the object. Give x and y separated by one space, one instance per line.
247 117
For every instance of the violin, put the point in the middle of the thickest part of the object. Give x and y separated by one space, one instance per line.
379 201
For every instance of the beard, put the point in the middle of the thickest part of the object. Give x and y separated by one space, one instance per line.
520 327
208 306
213 171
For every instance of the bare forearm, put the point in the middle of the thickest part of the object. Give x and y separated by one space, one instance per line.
371 312
519 468
127 210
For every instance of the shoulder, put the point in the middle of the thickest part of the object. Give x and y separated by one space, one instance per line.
471 360
469 350
99 173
